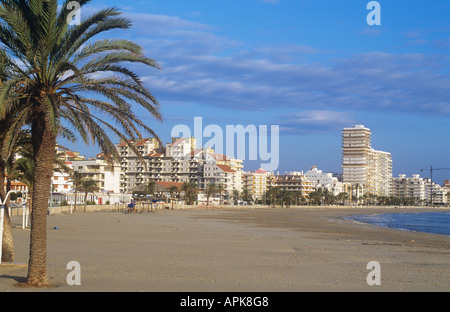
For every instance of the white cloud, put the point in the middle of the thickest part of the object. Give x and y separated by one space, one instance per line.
315 120
200 66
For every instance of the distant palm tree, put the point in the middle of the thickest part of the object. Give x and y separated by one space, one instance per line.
76 178
272 194
210 190
88 186
342 198
220 189
58 70
190 192
246 195
151 187
172 190
287 198
236 195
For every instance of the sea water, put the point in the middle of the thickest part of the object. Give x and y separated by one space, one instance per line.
429 222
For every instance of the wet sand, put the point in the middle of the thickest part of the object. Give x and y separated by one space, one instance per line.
260 250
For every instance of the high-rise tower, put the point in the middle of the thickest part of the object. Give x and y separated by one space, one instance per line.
362 166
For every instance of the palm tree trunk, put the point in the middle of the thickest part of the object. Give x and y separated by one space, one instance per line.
75 204
44 142
8 243
85 201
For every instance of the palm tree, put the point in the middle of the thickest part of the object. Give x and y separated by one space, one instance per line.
342 198
246 195
210 190
236 195
77 181
272 194
151 187
88 186
220 189
8 138
58 69
172 190
190 192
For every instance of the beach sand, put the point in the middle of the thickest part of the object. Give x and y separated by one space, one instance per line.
226 250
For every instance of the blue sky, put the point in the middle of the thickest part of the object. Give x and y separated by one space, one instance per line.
312 67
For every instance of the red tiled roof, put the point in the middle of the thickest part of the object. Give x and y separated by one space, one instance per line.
142 142
225 168
169 184
218 156
155 154
178 141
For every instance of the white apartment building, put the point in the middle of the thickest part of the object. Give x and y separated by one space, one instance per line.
235 165
133 169
409 187
446 190
364 166
325 180
422 189
435 193
181 162
105 175
220 174
381 172
61 182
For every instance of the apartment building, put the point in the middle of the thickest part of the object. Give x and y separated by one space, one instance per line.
133 167
180 161
326 180
409 187
106 176
219 174
435 193
364 166
255 182
293 181
446 191
231 165
422 189
381 172
61 182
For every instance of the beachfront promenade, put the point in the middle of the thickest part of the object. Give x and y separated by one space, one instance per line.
147 208
232 249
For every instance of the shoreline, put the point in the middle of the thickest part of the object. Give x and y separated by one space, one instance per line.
228 250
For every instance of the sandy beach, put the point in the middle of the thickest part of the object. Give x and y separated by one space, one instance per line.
226 250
